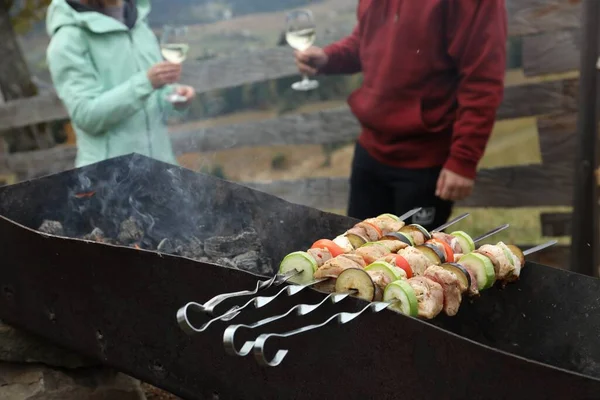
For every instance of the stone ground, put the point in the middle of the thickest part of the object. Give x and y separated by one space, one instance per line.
29 381
153 393
33 369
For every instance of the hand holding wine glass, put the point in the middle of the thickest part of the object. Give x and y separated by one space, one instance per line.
300 35
163 73
174 48
310 61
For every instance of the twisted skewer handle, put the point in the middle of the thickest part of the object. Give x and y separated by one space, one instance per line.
300 309
260 301
210 305
341 318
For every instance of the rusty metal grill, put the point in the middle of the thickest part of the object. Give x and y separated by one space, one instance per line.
117 303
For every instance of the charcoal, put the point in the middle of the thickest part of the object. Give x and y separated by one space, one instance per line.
231 246
147 243
97 235
248 261
265 266
225 262
194 249
131 231
252 261
52 228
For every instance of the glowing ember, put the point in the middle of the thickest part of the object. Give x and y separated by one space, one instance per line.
84 195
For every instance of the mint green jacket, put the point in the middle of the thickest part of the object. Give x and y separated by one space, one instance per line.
99 70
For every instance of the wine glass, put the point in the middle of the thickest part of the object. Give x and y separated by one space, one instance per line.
174 48
300 35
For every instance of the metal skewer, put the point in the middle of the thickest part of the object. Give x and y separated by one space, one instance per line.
490 233
257 302
276 280
451 222
210 305
301 309
539 247
410 213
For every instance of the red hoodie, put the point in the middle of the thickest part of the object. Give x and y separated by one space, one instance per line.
433 78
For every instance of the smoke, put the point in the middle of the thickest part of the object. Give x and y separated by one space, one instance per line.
166 201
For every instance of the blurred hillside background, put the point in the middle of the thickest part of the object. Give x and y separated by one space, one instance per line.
224 27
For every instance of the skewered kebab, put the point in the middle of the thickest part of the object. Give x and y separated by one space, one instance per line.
454 278
439 288
385 226
407 296
368 230
319 263
323 251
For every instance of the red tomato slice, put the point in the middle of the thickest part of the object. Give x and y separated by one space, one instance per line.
379 232
447 249
333 248
403 264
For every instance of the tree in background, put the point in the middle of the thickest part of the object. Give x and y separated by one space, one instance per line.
17 17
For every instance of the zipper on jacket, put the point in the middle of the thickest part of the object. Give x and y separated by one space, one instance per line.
146 116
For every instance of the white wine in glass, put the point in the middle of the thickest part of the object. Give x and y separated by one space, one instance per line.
175 50
175 53
301 32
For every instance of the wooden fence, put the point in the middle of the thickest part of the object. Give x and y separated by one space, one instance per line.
549 31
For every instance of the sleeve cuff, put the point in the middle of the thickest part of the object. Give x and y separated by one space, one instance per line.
461 166
330 66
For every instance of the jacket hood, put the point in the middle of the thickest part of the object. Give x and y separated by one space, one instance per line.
73 13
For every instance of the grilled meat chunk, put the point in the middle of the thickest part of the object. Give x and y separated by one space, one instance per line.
386 224
502 265
417 260
450 240
372 253
450 286
417 237
430 296
370 230
473 290
332 268
380 279
320 255
515 262
393 244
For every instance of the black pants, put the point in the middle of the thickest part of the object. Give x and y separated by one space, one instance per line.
376 189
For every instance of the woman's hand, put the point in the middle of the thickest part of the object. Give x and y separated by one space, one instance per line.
186 91
164 73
